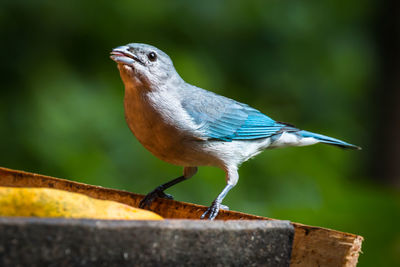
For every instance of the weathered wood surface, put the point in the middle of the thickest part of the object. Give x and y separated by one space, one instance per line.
313 246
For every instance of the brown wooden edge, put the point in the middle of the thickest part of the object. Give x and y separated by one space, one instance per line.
312 246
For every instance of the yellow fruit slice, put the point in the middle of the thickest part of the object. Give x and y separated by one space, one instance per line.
46 202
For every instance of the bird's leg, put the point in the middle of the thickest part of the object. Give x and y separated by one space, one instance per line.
212 211
216 205
159 190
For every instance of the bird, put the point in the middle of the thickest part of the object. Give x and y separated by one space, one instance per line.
188 126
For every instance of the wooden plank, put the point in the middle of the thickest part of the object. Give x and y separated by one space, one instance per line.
312 246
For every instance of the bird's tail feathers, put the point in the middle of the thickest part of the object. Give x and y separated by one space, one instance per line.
329 140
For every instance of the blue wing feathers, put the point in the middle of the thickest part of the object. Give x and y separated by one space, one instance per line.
250 127
225 119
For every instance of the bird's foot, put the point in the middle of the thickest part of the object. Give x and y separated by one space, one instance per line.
224 207
149 198
213 210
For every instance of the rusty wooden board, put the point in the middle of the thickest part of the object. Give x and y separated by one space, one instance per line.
312 246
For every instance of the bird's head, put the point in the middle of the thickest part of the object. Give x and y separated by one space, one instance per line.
143 65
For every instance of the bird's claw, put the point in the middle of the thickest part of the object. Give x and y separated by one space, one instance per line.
223 207
213 210
149 198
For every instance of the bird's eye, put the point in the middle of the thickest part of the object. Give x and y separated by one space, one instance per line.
152 56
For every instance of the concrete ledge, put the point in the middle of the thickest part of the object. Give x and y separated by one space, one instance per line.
71 242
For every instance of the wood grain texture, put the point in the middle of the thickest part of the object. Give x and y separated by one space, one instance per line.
313 246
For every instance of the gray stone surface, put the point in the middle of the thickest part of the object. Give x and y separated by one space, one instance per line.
63 242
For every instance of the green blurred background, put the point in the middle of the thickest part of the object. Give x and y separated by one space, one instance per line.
325 66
